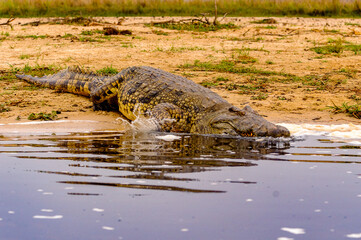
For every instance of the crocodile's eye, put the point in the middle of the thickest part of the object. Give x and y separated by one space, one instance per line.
234 109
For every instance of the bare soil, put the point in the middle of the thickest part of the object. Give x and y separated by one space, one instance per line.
282 47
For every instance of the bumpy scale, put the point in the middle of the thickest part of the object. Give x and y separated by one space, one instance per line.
176 103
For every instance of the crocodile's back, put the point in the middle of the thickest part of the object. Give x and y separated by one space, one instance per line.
145 87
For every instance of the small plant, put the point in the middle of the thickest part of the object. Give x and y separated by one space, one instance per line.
4 108
352 110
265 21
208 84
67 35
87 33
127 45
269 62
222 79
230 66
356 48
160 32
267 27
32 36
37 70
218 81
107 70
195 26
88 39
260 96
352 24
44 116
335 47
24 56
242 56
331 30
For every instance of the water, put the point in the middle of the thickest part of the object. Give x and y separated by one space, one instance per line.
116 185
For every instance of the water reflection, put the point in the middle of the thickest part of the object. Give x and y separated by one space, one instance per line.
113 185
144 157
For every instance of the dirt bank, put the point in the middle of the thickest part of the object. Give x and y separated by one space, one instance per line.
287 79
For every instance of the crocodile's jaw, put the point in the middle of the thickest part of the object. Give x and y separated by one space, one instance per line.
245 122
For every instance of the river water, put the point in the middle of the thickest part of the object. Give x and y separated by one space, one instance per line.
131 185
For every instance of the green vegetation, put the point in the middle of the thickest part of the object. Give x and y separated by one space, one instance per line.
37 70
242 56
160 32
32 36
24 56
268 27
260 96
4 108
352 110
4 35
230 67
218 81
352 24
195 26
44 116
37 8
109 70
337 47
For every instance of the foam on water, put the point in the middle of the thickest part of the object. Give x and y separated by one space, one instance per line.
293 230
48 217
354 235
168 137
338 131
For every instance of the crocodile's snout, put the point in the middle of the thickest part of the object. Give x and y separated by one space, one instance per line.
261 127
272 130
246 122
280 131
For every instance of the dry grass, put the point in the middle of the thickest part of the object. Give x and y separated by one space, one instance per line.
31 8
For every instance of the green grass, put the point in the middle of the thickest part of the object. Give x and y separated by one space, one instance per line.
267 27
160 32
37 70
109 70
195 26
24 56
352 24
4 108
37 8
242 56
230 67
352 110
260 96
44 116
337 47
32 36
333 47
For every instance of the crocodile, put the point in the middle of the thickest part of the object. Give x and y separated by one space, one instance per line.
176 103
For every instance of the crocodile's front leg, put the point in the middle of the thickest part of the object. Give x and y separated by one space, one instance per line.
170 118
105 95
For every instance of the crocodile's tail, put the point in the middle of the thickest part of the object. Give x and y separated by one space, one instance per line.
72 80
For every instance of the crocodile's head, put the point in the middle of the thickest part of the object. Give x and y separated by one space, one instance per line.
239 122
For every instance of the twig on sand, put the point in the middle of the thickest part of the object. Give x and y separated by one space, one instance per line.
8 22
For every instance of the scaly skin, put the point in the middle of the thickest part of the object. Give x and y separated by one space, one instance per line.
177 104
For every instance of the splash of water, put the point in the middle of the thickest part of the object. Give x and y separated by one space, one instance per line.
337 131
140 124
